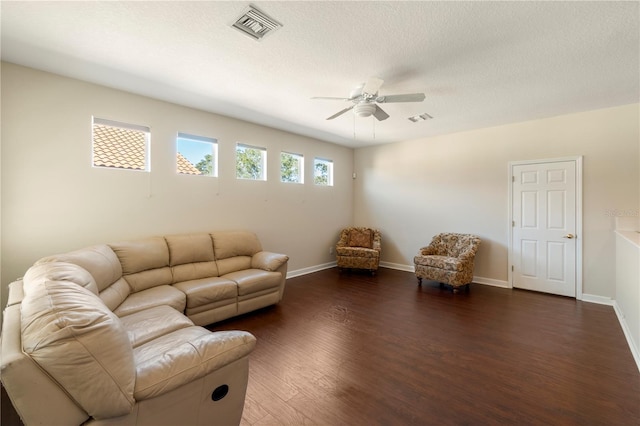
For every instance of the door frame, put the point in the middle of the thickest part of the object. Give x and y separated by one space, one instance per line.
578 161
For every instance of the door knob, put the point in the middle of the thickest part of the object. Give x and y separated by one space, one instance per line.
569 236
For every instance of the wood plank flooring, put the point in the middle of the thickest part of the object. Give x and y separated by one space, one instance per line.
351 349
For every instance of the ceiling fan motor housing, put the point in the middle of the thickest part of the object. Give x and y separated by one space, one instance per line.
364 109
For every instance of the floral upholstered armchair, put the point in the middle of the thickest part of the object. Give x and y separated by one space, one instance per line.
448 259
359 248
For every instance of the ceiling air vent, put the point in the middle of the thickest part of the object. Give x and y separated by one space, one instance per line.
421 117
256 24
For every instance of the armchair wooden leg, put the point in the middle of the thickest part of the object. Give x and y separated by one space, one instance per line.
419 280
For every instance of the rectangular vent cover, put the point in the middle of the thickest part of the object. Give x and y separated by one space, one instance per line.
256 24
421 117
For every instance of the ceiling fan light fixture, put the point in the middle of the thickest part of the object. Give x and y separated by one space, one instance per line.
420 117
364 109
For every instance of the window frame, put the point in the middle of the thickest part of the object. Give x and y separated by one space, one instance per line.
329 164
124 126
199 139
263 161
300 173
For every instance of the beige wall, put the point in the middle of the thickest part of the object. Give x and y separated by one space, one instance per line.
459 183
54 201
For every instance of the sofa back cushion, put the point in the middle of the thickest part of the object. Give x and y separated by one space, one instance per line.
145 262
191 257
235 243
234 249
101 262
104 266
60 271
79 342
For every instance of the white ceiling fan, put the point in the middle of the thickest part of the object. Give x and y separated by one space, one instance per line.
365 100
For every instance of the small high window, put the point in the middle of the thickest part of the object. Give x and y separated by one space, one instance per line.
251 162
291 167
322 172
120 145
196 155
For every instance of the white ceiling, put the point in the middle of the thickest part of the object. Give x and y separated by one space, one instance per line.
479 63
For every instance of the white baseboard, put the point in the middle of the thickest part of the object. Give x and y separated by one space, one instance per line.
398 266
478 280
310 269
627 333
600 300
491 282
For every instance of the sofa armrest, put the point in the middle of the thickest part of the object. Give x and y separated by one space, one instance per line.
185 355
268 261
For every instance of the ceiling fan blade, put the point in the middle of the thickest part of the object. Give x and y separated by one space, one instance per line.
380 114
409 97
331 98
341 112
372 86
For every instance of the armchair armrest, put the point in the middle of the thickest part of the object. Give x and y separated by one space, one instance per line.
427 251
469 252
467 255
268 261
377 241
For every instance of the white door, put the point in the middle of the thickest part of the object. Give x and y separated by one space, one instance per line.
544 227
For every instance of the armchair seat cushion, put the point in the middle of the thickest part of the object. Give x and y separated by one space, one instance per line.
440 262
357 252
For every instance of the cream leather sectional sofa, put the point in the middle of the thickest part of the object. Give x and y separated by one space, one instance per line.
111 334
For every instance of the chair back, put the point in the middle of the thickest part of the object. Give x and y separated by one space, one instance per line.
451 244
360 237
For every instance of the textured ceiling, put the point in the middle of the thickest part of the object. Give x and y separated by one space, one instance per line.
479 63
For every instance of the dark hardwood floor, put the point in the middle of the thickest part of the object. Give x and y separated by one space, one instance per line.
352 349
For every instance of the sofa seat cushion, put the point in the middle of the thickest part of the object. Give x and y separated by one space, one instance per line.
254 280
152 297
440 262
357 252
207 290
180 357
144 326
